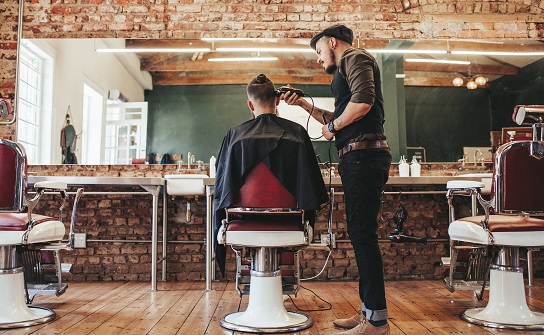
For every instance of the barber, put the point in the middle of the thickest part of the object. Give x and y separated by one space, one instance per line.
365 159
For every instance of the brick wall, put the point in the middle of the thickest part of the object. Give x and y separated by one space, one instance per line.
425 19
127 220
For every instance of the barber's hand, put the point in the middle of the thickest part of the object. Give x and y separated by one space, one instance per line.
291 98
326 133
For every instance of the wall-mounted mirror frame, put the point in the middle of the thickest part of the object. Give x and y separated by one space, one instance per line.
187 93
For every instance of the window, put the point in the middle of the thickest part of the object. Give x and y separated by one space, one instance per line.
34 103
126 132
92 125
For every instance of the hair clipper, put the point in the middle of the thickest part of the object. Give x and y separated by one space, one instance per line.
285 89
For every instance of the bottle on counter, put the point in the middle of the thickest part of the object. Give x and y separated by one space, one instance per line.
212 167
404 168
415 168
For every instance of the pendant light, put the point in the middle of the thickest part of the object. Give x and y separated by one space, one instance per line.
458 81
480 81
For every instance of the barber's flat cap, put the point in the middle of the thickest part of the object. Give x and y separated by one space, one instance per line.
338 31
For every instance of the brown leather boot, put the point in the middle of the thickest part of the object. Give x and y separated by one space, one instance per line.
366 328
350 322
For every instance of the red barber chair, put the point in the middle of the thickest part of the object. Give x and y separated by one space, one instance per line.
511 222
23 233
264 223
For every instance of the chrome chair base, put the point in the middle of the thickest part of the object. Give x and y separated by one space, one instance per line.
14 312
534 323
266 312
40 314
233 321
507 307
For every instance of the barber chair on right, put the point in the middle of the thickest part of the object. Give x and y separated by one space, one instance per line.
510 223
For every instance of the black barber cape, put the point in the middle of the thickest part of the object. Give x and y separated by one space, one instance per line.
285 147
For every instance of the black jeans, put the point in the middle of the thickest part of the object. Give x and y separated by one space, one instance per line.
364 174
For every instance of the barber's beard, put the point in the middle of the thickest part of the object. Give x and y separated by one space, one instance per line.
331 68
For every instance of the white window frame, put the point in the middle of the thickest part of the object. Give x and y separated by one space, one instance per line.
92 124
37 127
111 145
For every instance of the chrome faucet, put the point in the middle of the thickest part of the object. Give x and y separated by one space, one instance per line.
180 166
201 166
464 159
190 160
478 160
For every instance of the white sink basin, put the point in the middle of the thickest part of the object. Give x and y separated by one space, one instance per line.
185 184
487 177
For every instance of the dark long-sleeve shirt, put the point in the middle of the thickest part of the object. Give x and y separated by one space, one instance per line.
357 80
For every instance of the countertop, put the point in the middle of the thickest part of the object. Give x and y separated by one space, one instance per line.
393 180
103 181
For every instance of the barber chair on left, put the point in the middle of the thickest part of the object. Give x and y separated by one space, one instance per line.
21 232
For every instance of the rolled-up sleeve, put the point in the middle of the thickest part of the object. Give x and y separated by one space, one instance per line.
358 70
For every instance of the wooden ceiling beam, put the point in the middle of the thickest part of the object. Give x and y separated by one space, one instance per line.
190 66
241 79
474 69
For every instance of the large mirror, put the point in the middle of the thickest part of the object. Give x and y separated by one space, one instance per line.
107 101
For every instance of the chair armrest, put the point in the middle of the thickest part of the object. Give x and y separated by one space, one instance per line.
469 188
43 186
51 185
463 184
463 188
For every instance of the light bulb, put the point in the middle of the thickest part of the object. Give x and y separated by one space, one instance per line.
458 81
471 85
481 81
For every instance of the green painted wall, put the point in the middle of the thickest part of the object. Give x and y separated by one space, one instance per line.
441 119
196 118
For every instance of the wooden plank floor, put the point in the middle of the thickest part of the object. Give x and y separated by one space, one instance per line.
109 308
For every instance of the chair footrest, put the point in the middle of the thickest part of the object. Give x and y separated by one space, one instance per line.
464 285
46 288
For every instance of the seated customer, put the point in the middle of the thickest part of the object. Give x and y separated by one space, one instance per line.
284 146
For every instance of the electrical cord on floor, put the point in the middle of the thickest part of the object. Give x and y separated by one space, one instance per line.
320 272
311 310
318 297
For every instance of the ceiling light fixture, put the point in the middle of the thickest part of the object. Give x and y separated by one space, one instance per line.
497 53
481 81
211 39
242 59
309 50
407 51
406 4
458 81
471 85
439 61
142 50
